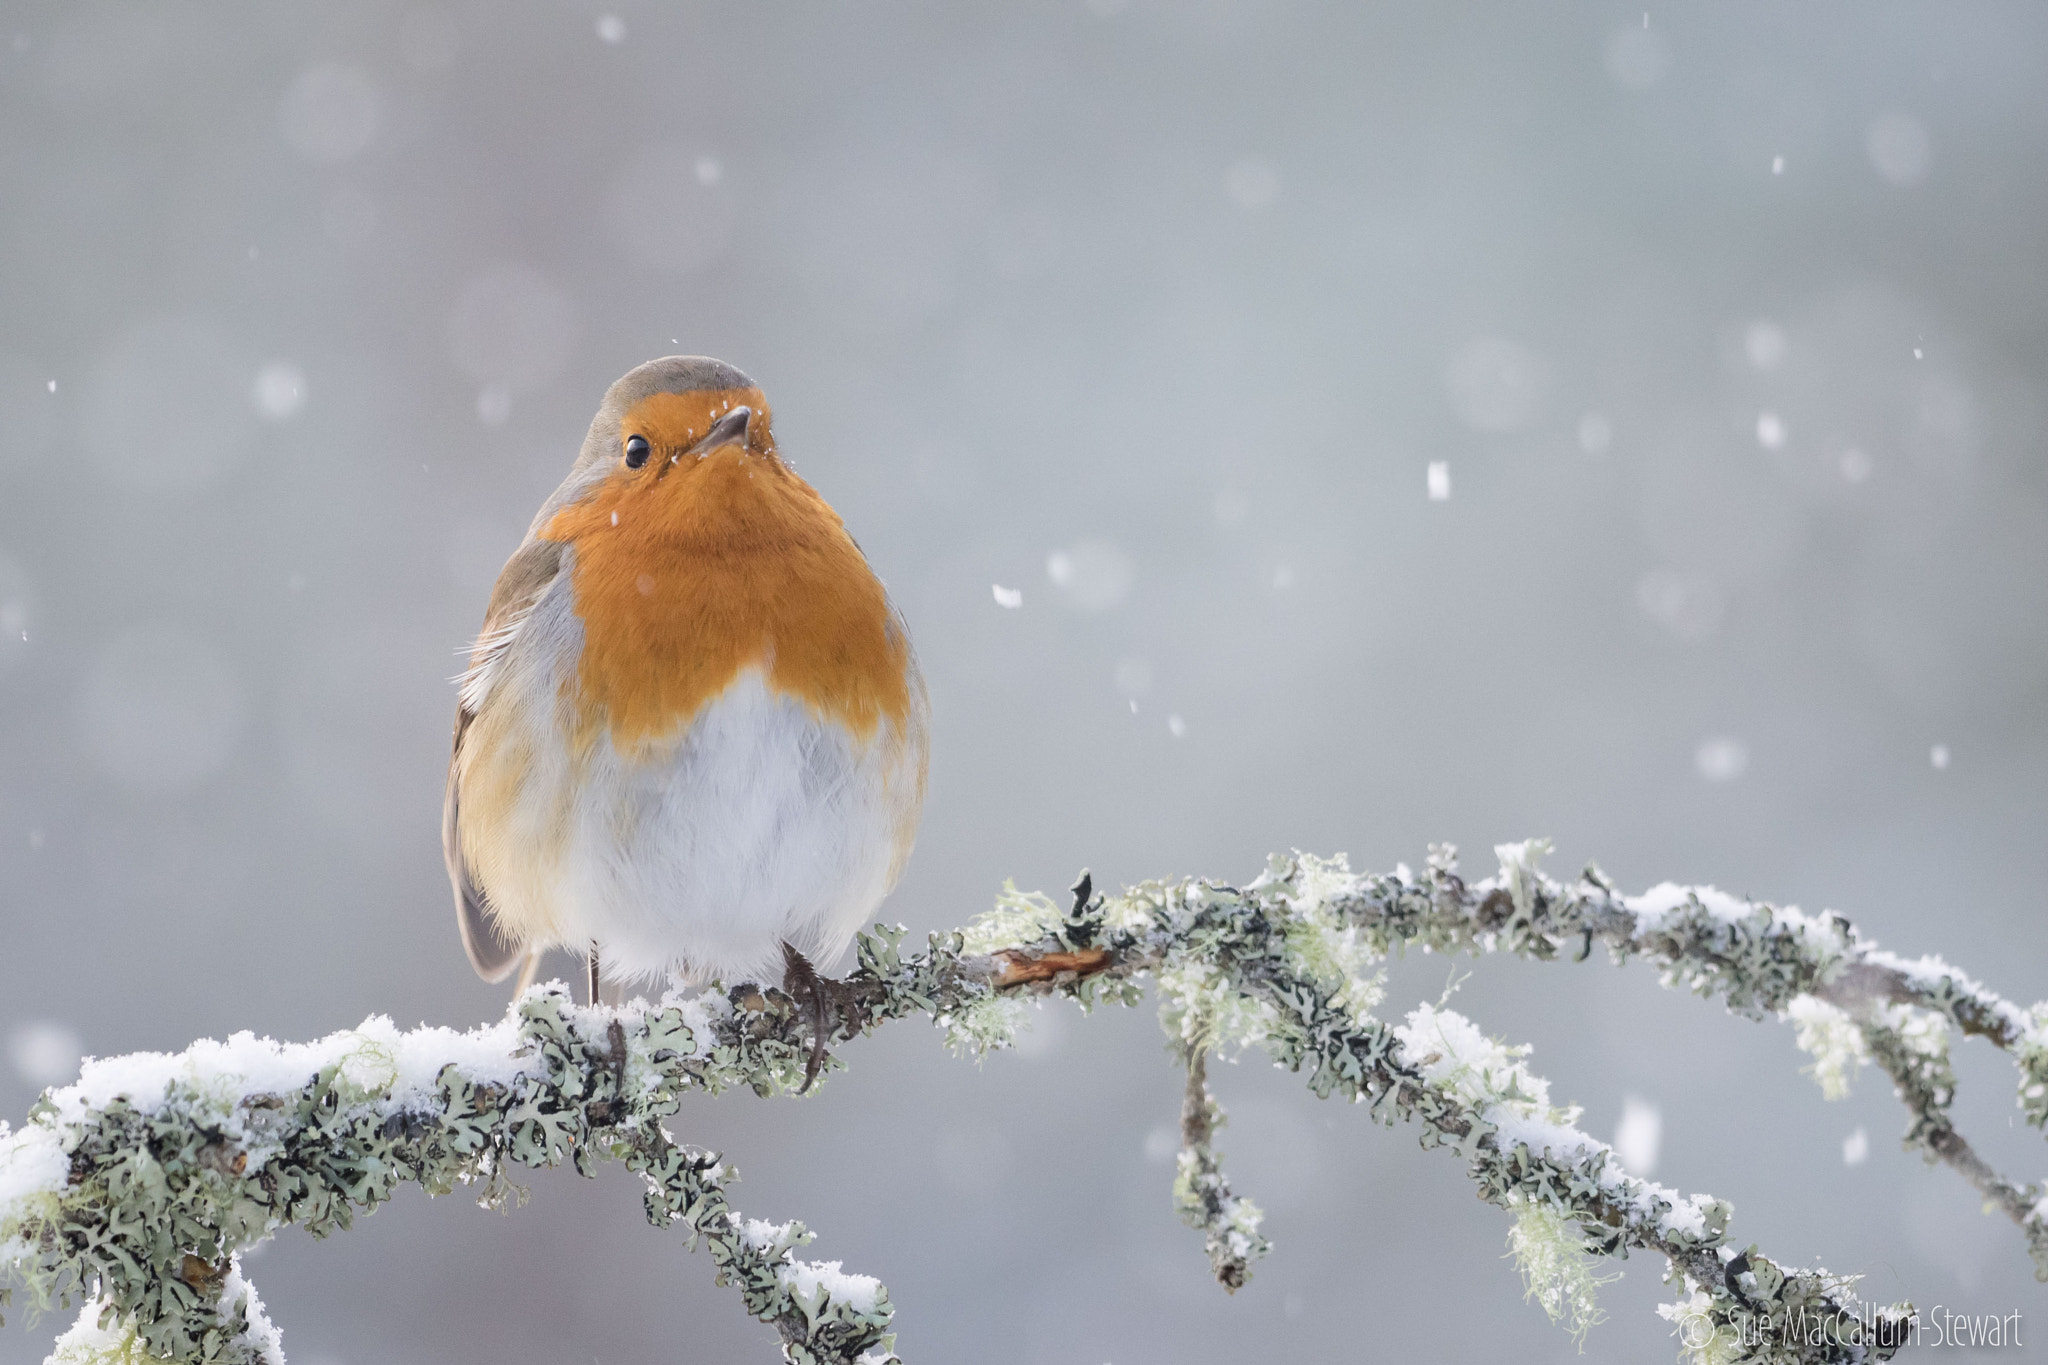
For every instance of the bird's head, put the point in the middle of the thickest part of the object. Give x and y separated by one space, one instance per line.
670 415
661 427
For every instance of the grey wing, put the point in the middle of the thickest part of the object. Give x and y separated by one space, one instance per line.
526 575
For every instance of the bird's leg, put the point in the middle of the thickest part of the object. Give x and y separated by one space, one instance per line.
617 1036
800 979
593 972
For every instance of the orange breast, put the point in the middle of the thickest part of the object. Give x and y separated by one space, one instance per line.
691 570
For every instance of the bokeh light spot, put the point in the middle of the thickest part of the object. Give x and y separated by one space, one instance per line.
1639 1136
1721 759
1094 575
279 391
44 1052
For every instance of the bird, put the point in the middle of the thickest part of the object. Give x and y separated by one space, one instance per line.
691 741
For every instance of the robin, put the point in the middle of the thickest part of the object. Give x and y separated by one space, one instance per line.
691 739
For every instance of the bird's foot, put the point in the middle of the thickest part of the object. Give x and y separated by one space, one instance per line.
829 1003
613 1109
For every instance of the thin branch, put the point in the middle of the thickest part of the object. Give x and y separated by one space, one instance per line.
1201 1191
1760 958
136 1188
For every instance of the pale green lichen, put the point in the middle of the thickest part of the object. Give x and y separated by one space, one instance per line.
2032 1054
369 1068
1832 1039
1200 1009
1519 874
88 1343
1475 1095
1924 1031
1018 917
1557 1272
983 1025
158 1199
1911 1044
1229 1223
1323 944
1701 1339
1783 1319
1203 1008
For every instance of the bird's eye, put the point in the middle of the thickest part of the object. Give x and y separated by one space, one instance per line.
636 451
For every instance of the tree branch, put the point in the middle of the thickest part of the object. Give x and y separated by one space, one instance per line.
1229 1225
135 1188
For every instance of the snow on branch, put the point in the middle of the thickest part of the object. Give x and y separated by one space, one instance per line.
135 1189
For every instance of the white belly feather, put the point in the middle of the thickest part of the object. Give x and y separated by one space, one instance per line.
767 824
763 823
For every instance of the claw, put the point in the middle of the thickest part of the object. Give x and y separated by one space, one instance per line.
800 979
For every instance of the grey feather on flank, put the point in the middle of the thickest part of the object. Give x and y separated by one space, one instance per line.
525 577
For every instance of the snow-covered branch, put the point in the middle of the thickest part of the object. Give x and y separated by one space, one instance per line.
135 1189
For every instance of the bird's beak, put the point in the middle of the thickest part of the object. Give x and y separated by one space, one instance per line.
728 430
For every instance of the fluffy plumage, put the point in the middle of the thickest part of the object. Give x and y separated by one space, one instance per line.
693 728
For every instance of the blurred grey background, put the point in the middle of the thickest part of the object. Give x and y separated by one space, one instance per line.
1389 424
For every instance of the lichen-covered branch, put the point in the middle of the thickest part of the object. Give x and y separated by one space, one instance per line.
1852 1000
136 1188
1229 1225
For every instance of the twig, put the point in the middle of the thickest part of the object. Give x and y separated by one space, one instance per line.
1229 1225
